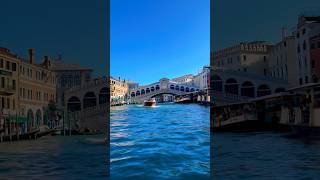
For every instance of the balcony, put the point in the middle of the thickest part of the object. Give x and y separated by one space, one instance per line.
5 72
7 91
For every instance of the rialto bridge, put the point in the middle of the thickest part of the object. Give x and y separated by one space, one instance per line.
87 106
232 86
164 86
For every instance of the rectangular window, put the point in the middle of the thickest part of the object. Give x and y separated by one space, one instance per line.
1 63
8 103
305 62
13 104
14 67
306 79
2 82
7 65
244 57
14 84
2 102
313 63
24 93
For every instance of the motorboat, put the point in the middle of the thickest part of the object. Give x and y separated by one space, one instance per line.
150 102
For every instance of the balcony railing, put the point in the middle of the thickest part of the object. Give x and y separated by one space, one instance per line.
7 91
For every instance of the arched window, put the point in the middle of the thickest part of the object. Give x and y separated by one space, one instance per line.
138 93
30 119
263 90
103 95
89 100
216 83
157 87
247 89
38 118
74 104
231 86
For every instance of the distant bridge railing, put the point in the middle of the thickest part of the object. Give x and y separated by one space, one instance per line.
247 75
160 91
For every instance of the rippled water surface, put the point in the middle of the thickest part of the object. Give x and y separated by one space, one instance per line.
75 157
165 142
264 156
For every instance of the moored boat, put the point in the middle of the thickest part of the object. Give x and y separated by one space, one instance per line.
184 100
302 111
237 117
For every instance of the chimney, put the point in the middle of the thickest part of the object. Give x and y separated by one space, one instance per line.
46 61
31 56
284 33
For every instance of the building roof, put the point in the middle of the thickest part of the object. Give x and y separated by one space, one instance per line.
58 65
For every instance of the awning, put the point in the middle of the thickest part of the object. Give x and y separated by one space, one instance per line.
18 119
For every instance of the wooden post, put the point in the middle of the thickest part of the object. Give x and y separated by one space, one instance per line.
18 126
10 129
69 126
63 118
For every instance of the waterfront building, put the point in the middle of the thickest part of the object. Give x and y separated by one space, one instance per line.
244 57
9 86
37 89
240 72
202 79
68 76
315 57
186 79
26 90
132 85
283 60
119 90
307 28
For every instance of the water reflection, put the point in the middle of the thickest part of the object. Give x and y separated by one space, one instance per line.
264 155
79 157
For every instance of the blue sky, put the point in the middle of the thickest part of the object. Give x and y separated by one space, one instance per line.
76 29
152 39
248 20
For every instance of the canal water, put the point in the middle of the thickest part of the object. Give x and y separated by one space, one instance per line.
55 157
165 142
264 156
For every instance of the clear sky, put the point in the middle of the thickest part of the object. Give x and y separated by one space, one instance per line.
152 39
76 29
248 20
